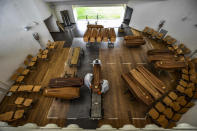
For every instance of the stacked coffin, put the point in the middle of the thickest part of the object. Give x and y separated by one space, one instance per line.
64 88
144 85
165 59
166 107
131 41
169 109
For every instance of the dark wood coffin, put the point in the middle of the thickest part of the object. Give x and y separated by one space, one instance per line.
132 37
138 91
162 57
159 52
65 82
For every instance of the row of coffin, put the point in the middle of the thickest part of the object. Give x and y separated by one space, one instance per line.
20 102
30 63
99 35
170 108
170 58
167 106
159 35
165 59
169 41
23 104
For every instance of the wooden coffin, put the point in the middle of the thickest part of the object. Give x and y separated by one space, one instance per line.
170 64
99 36
150 31
130 37
137 90
153 80
159 52
87 35
65 82
146 29
194 60
136 42
145 83
63 93
96 87
162 57
94 26
184 49
112 35
154 34
75 56
12 115
93 35
106 35
159 35
166 38
171 41
153 113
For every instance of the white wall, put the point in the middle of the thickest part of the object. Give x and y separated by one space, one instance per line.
51 24
15 43
151 12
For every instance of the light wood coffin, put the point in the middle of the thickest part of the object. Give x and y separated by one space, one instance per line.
87 35
170 64
96 78
93 35
106 35
112 35
144 85
131 41
162 57
137 90
132 37
63 93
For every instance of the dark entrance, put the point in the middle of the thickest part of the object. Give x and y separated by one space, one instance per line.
127 15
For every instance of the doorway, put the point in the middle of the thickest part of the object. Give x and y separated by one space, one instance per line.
127 15
106 15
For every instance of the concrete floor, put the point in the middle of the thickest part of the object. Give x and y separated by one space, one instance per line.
79 109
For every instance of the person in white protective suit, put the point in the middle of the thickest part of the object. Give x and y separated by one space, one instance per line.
88 79
104 86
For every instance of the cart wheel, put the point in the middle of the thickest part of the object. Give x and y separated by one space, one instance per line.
83 53
87 45
110 45
90 113
102 112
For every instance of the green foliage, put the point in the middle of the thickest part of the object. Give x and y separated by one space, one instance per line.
103 12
